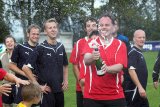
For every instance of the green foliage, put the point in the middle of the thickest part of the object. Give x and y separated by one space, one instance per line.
4 30
132 14
152 94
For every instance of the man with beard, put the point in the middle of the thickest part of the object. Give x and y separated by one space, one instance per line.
104 89
76 57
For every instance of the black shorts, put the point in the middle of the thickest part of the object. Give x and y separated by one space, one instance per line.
105 103
18 97
9 99
79 97
52 100
133 99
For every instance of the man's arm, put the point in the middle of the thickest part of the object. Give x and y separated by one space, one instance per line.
12 66
76 71
65 77
29 73
113 69
30 76
156 69
90 58
12 78
136 81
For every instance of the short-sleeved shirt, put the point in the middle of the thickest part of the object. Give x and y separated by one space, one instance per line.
5 59
125 40
136 61
2 73
76 56
108 86
20 54
48 62
156 68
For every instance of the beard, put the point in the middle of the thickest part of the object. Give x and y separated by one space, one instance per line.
104 33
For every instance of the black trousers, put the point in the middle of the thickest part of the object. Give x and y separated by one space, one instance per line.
104 103
79 97
53 100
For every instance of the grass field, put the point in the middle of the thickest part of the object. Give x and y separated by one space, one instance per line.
153 95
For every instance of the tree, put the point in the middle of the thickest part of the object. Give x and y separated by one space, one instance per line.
18 10
4 29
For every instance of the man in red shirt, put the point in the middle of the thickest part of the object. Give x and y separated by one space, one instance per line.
105 90
77 59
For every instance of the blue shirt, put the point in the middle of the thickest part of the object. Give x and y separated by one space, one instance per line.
125 40
20 54
48 60
136 60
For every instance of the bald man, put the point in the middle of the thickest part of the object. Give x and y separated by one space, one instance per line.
135 90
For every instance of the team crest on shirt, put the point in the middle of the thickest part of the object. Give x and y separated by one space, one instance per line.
27 53
61 54
49 54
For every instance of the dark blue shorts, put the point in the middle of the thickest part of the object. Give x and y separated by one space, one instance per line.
133 99
53 100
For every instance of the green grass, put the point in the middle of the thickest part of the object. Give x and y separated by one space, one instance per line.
153 95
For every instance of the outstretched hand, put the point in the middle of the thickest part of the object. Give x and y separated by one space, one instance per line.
5 89
20 81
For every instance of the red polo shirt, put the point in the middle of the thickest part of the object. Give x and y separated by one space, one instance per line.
107 87
76 56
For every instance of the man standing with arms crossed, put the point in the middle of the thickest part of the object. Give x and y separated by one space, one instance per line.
135 90
51 65
76 57
105 90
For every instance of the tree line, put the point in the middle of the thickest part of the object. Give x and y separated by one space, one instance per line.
132 15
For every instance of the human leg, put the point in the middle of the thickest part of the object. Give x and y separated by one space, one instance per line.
79 97
59 99
48 100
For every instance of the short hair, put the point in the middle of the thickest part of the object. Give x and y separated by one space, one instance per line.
95 32
109 15
33 26
8 36
29 92
89 19
48 21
